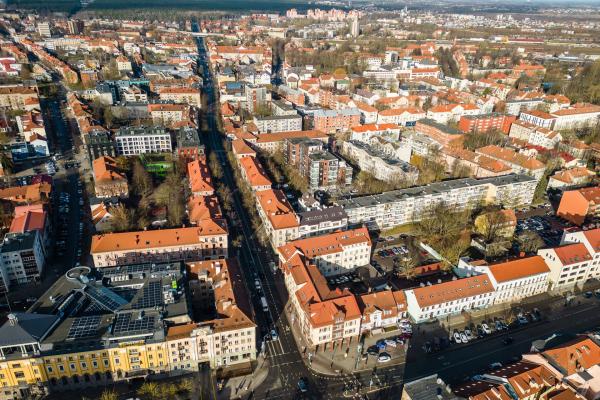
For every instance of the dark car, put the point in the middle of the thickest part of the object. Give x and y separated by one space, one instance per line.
373 351
303 385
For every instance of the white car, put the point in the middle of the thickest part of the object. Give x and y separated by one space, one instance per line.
389 342
486 329
384 357
469 335
457 338
464 338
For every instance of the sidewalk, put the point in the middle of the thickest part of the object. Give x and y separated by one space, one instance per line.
240 386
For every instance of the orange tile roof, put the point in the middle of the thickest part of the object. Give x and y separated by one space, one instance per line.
593 237
374 128
240 147
27 194
277 208
199 177
204 207
518 269
326 244
281 136
512 157
452 290
582 352
572 253
105 169
29 221
526 378
577 110
399 111
155 239
254 172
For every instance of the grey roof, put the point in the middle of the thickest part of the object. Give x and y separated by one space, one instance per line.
316 216
431 189
278 117
26 328
444 128
18 241
428 388
141 131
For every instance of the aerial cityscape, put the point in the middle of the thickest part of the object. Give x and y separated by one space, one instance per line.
288 199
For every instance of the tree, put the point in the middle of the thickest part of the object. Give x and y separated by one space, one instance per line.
215 166
492 225
122 218
530 242
141 179
109 394
149 391
476 140
170 195
186 385
405 267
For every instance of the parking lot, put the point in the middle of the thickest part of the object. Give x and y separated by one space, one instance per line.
550 228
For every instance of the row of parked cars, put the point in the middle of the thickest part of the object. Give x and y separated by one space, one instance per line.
378 349
393 251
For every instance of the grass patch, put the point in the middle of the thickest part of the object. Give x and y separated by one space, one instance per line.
398 230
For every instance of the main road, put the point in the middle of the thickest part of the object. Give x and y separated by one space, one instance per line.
285 363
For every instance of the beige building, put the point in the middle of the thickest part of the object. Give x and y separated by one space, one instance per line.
279 219
180 95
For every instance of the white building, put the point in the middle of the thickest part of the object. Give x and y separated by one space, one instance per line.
570 265
577 117
439 300
513 280
401 116
23 258
399 207
141 140
278 123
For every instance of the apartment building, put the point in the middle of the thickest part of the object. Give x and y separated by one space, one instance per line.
486 123
439 300
256 97
168 114
205 241
109 180
181 95
280 107
132 141
441 134
18 97
381 310
579 116
334 253
589 238
332 121
23 258
322 315
230 338
520 163
570 265
382 166
201 208
538 118
399 207
253 172
278 216
535 135
272 142
445 113
364 133
478 165
189 146
199 178
571 178
401 116
133 94
321 220
579 205
326 171
513 280
278 123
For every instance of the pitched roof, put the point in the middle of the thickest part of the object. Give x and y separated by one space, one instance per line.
105 169
572 253
277 208
452 290
518 269
199 176
26 328
147 240
326 244
582 352
255 172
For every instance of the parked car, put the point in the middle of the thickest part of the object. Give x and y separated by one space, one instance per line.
480 331
522 320
384 357
495 365
303 385
469 335
380 344
390 342
427 347
373 351
464 338
457 338
486 328
588 295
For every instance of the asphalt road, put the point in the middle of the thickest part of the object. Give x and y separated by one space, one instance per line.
285 362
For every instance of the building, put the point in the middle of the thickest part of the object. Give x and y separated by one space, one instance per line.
444 113
206 241
114 330
326 171
323 315
429 388
520 163
381 310
43 29
99 143
278 216
578 205
535 135
439 300
478 165
75 26
579 116
271 142
23 258
188 143
253 172
109 180
570 265
256 97
168 114
332 121
36 193
181 95
380 165
18 97
199 178
278 123
442 134
334 253
514 280
486 123
321 220
399 207
538 118
401 116
571 178
133 141
354 27
230 337
364 133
